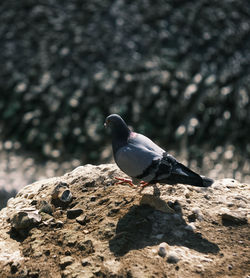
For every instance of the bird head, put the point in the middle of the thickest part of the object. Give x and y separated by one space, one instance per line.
117 125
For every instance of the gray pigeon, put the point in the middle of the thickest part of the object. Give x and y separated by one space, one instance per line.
144 161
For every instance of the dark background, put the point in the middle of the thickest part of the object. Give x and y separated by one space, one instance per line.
177 71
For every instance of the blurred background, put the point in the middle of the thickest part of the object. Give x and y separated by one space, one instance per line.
177 71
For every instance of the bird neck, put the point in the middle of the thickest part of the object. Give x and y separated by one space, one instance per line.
120 137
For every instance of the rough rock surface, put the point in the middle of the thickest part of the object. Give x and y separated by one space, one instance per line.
118 235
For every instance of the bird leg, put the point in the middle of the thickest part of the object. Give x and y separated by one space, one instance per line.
123 181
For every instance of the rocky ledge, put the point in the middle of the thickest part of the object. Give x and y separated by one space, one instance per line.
83 225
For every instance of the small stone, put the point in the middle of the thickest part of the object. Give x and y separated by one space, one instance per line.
82 219
206 196
90 184
57 224
61 195
187 194
230 267
65 261
73 213
46 208
162 249
191 227
24 220
34 202
172 258
86 246
233 218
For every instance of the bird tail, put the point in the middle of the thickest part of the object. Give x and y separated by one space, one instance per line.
190 180
207 181
182 174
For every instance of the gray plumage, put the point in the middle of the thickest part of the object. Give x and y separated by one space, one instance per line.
143 160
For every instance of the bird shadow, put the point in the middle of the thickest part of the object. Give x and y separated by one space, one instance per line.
145 226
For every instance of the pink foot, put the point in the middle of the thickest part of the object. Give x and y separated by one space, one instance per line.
143 184
123 181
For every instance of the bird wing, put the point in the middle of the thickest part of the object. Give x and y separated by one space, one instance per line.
138 139
171 171
137 156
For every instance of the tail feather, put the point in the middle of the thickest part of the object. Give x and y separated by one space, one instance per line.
207 181
182 174
190 180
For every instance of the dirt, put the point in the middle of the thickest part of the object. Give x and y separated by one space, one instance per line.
118 235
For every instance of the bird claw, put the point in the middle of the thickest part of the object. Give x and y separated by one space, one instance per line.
124 181
143 184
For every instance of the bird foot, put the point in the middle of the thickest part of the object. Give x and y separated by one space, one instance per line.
124 181
143 184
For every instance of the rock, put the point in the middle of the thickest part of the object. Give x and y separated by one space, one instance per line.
65 261
82 219
162 250
86 246
61 195
233 217
128 243
46 208
57 224
172 258
190 227
73 213
24 220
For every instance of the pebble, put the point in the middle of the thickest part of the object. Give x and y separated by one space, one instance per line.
233 218
190 227
162 250
172 258
24 220
73 213
61 195
82 219
46 208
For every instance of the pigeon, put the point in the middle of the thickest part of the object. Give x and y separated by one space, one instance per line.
144 161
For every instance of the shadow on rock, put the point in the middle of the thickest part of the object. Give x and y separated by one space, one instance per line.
144 226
